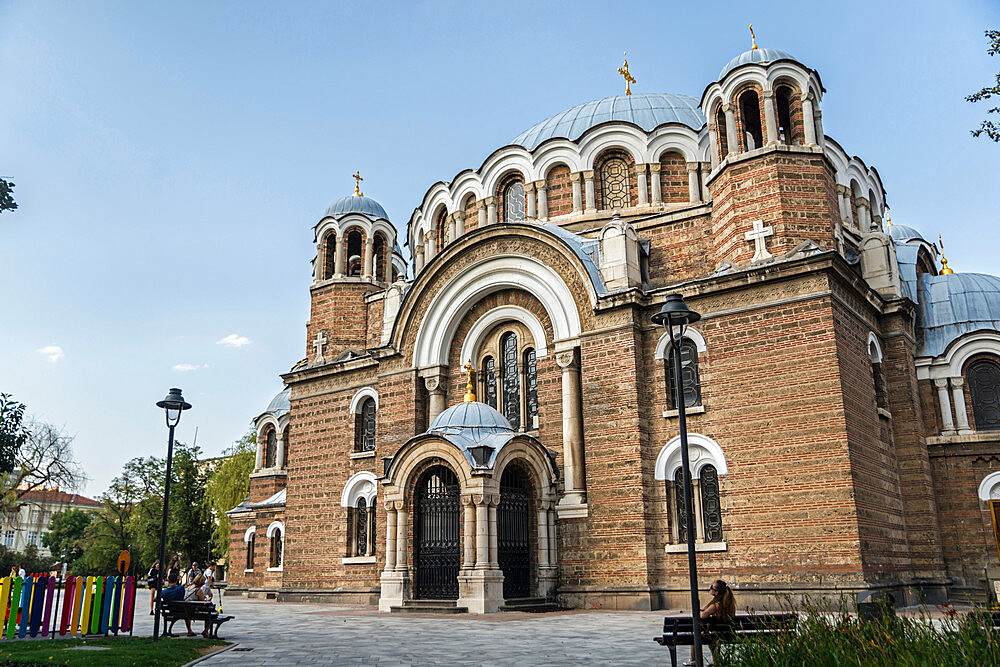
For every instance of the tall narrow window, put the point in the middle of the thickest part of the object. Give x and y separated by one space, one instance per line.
275 560
711 507
513 202
330 255
354 246
531 388
270 448
490 382
689 374
679 505
722 132
364 426
614 184
782 98
750 119
284 438
361 528
378 257
511 380
984 385
250 549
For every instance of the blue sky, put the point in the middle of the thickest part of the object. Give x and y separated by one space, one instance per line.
171 159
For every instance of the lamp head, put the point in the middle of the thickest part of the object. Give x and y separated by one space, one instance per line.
675 315
173 404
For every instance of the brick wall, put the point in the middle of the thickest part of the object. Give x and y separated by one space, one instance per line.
559 191
673 178
340 312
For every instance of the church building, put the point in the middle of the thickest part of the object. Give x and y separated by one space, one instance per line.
491 424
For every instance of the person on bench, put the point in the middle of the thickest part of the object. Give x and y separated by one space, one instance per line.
173 592
721 608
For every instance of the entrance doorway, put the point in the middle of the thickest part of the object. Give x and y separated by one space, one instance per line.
437 548
514 533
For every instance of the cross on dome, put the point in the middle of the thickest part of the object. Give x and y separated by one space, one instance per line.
629 79
357 184
753 39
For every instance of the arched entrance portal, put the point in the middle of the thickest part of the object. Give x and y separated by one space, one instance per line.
514 533
436 549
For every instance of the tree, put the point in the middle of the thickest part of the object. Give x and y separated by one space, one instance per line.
44 460
990 127
7 202
13 433
65 532
228 486
189 528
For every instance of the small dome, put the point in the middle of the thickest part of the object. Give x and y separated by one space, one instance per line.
471 415
956 304
648 111
755 56
357 204
903 234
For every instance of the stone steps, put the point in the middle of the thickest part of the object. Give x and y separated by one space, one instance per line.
429 607
533 605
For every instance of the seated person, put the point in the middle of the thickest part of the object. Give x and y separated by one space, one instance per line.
196 593
175 591
206 589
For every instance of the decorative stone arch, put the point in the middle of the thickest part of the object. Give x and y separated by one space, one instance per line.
504 183
275 526
482 327
555 152
360 395
532 455
465 184
874 348
604 138
250 532
965 348
702 451
362 484
989 488
676 140
748 100
690 333
412 458
501 164
449 305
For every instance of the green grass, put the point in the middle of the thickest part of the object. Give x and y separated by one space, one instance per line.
140 651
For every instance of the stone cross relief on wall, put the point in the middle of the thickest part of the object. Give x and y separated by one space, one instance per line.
319 343
759 235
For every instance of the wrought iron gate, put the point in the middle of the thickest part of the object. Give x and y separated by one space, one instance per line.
436 551
514 534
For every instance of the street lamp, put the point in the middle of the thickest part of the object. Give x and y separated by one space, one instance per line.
173 405
676 315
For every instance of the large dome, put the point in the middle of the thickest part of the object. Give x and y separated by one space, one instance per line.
357 204
471 415
956 304
755 56
903 234
648 111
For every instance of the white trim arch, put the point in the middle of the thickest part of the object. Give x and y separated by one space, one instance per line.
980 342
482 326
251 531
438 326
702 451
275 525
360 485
989 488
691 334
361 394
876 357
628 139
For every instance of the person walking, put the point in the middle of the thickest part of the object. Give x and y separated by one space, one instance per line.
151 578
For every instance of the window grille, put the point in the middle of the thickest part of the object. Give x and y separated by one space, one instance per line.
679 504
513 202
275 549
511 380
531 387
361 528
364 427
614 183
711 506
250 548
490 382
689 376
984 385
270 448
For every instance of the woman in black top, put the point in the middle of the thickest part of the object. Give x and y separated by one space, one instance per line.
151 577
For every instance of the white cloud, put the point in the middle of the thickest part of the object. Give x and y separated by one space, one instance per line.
184 368
51 352
234 340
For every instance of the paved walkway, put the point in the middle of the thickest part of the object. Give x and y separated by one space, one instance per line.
312 634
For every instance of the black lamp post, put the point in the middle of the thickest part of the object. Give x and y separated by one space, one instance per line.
676 315
173 405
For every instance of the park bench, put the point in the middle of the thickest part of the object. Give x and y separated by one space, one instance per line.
678 630
194 610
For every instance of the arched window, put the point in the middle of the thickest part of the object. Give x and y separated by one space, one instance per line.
361 528
364 426
513 202
751 135
276 543
511 380
441 229
270 447
250 541
490 382
614 184
722 132
783 102
984 386
285 440
711 506
354 248
329 255
689 375
875 356
378 257
531 387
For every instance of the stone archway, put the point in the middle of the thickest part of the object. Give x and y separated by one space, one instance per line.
437 548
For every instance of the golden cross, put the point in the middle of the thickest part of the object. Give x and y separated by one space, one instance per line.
357 183
753 39
470 394
623 70
945 269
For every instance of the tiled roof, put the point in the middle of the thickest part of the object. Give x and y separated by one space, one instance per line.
47 496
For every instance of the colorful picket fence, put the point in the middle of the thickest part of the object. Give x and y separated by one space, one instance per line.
41 605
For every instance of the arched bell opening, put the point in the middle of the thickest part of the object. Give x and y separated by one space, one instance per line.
517 534
437 543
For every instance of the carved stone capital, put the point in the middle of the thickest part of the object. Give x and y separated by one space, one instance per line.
588 174
480 204
768 94
567 360
728 108
807 96
479 499
576 176
398 505
529 187
654 167
539 185
843 190
941 383
956 382
489 201
693 166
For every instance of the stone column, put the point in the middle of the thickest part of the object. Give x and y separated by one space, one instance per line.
530 205
694 192
390 537
494 550
654 179
864 214
435 385
543 535
732 146
338 261
481 212
809 119
958 398
574 477
706 169
640 174
258 462
844 200
577 197
769 118
402 523
389 245
367 265
459 223
451 228
280 454
820 137
713 143
431 247
543 200
482 533
418 259
948 424
491 211
588 178
699 526
469 549
553 540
